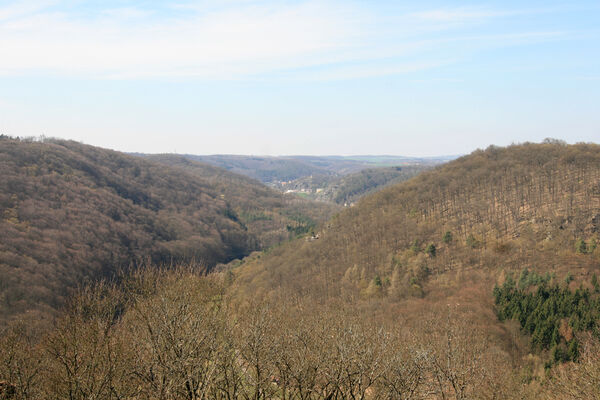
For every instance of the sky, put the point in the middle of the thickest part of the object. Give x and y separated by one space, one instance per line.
308 77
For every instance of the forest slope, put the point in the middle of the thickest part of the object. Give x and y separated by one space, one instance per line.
347 189
71 212
275 170
411 294
268 214
501 206
442 241
265 169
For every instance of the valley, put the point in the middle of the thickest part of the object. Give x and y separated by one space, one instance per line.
476 278
338 179
299 200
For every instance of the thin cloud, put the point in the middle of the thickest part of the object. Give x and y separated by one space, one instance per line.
218 43
365 70
507 39
459 15
223 40
23 8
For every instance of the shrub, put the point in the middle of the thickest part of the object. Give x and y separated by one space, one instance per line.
430 250
447 238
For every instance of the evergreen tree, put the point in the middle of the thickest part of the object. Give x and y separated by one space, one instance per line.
580 246
524 279
415 247
472 241
543 313
431 250
573 351
568 278
592 246
377 281
447 238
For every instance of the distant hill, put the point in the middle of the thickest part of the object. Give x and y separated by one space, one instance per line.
274 170
264 169
334 179
352 187
70 213
347 189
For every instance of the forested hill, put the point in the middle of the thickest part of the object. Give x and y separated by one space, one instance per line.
264 169
431 250
268 214
497 206
348 189
71 212
448 236
276 170
351 188
475 280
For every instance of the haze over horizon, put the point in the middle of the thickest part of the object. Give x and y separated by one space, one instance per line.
300 77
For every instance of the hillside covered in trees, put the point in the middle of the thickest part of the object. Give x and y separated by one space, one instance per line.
474 280
445 238
71 213
348 189
524 205
274 170
340 180
267 214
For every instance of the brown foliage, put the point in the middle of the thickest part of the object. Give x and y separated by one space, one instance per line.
506 208
264 212
581 380
361 313
172 335
71 213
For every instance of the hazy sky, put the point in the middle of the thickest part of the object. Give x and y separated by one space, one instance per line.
300 77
